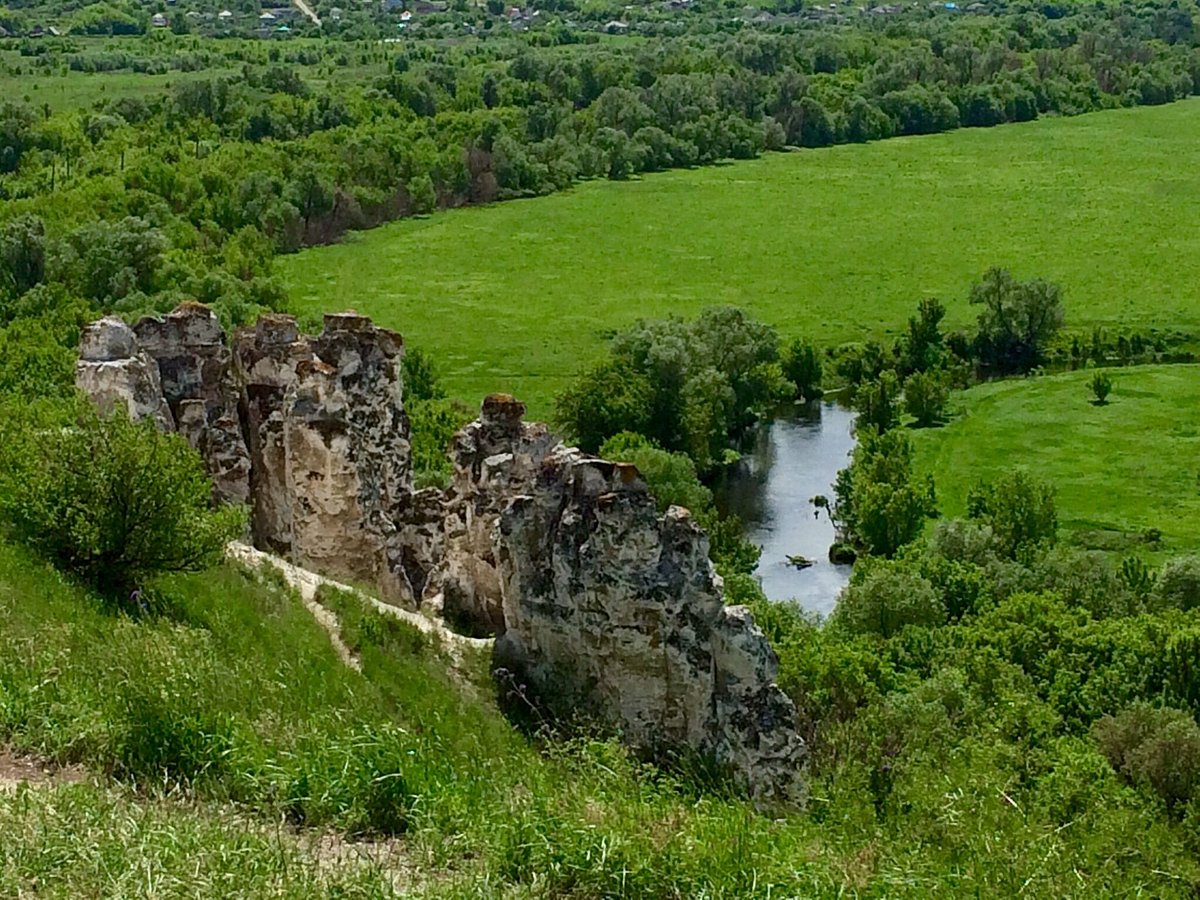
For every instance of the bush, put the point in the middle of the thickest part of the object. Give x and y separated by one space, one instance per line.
671 476
802 367
876 402
885 599
881 504
1019 509
1178 583
925 396
110 500
1101 386
1158 748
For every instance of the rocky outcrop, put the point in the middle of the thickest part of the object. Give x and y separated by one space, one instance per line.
346 454
496 458
116 373
195 369
563 556
267 357
607 600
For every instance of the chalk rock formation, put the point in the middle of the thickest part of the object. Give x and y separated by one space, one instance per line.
607 600
115 372
346 452
562 555
199 385
496 458
267 356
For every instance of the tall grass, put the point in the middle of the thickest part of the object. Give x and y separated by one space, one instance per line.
238 697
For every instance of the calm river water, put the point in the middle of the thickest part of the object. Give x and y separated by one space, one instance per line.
794 458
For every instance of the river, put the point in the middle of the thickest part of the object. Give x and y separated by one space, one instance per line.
793 459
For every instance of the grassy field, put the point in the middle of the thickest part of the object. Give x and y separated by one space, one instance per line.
836 243
1120 469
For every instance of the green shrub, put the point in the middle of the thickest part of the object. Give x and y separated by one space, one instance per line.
802 367
885 598
877 402
925 396
1158 748
112 501
1101 387
1178 583
881 504
671 476
1018 508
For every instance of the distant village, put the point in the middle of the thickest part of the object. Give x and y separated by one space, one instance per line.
409 16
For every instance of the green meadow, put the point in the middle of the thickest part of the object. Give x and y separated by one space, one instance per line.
1120 469
836 243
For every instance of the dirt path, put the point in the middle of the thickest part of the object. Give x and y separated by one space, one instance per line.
307 10
17 770
306 583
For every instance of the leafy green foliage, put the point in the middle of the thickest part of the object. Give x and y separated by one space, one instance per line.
109 500
802 367
1017 322
687 386
1156 747
671 476
1101 387
877 402
882 600
433 420
1178 583
1018 508
925 397
881 503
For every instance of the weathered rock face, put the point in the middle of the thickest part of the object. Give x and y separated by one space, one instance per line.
200 387
310 431
562 555
346 453
267 356
496 458
115 372
605 598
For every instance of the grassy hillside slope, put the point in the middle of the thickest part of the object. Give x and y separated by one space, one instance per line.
836 243
227 738
1122 468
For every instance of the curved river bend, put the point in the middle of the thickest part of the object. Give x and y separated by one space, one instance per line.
793 459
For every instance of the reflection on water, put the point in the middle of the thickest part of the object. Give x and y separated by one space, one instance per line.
793 459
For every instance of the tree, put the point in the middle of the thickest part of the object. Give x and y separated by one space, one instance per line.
1101 386
876 402
1018 508
110 500
22 254
923 347
925 396
1178 583
881 504
608 399
802 367
422 194
106 261
883 598
1155 747
1017 322
311 192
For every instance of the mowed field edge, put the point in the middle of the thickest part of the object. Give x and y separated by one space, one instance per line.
837 243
